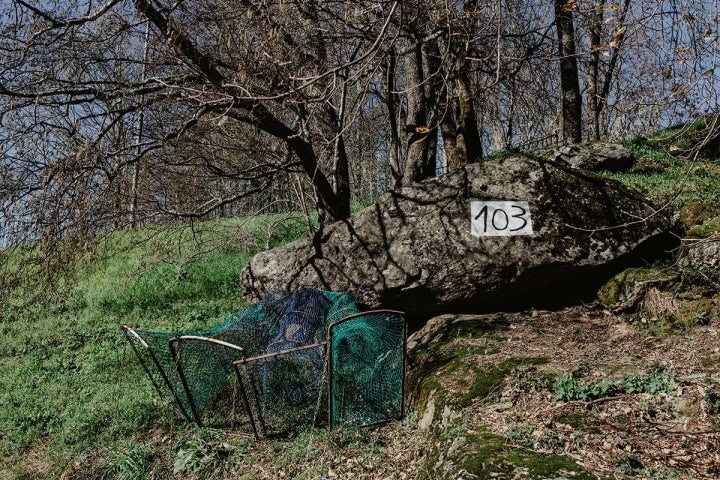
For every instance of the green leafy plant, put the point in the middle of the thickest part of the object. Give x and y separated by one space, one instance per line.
200 455
568 388
657 381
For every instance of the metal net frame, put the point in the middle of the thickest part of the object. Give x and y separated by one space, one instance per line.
287 362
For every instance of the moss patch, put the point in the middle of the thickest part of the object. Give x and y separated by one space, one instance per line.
488 380
575 420
487 456
706 230
441 365
618 286
695 213
699 312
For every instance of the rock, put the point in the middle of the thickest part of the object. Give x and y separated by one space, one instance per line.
701 249
596 157
458 371
665 298
444 375
414 249
702 255
438 330
695 213
706 230
626 290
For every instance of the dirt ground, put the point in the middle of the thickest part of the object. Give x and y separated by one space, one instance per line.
668 435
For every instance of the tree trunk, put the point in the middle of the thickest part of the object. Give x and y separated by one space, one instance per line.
341 166
394 138
417 160
569 81
468 134
594 64
614 56
460 132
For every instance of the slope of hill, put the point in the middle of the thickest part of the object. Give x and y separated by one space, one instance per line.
75 405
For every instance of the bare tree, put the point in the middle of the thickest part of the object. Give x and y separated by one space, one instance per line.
569 77
222 106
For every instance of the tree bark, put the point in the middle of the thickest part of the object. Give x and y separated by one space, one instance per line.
341 166
391 102
416 166
594 66
614 56
469 134
569 81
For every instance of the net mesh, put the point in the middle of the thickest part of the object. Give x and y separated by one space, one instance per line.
366 369
265 368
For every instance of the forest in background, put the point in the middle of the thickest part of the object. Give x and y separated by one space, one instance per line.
125 113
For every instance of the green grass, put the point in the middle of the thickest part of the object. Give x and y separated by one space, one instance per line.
70 387
667 178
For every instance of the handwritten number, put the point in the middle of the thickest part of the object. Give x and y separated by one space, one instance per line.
492 215
507 220
483 211
520 216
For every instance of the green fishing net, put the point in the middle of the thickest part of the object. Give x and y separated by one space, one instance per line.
267 368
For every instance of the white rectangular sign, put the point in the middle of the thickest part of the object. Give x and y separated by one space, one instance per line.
499 218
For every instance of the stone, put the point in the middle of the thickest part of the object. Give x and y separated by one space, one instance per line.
701 249
596 157
695 213
626 291
438 330
703 255
415 250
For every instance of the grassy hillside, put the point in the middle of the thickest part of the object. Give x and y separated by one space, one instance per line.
74 404
69 386
669 178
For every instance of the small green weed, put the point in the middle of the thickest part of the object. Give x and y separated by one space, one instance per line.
130 464
204 453
411 419
568 388
655 382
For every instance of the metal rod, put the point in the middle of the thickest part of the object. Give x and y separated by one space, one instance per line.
209 340
178 368
161 370
404 370
330 378
330 363
143 364
258 403
281 352
246 402
362 314
129 330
